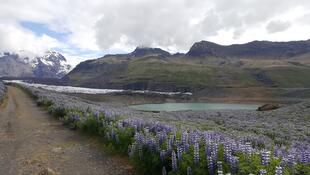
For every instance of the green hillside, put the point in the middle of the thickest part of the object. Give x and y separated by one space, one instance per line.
159 74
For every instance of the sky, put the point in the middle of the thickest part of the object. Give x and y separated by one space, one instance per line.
81 29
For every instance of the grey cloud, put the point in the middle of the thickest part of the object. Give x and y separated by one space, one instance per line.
304 20
149 23
277 26
168 23
175 24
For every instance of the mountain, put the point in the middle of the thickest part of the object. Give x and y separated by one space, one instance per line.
142 52
255 49
50 65
204 67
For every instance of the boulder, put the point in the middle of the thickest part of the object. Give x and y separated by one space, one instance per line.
268 107
48 171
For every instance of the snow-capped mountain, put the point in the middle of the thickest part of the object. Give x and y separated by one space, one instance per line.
51 65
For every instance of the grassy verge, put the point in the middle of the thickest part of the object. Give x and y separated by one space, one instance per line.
3 94
3 101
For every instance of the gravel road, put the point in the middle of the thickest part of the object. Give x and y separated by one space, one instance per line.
31 142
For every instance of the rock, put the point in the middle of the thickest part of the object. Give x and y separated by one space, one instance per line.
57 150
268 107
48 171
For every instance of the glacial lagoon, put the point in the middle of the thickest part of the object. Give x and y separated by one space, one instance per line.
168 107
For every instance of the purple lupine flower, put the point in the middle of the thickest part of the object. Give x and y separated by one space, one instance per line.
227 153
112 133
234 164
151 145
189 171
210 165
162 137
265 156
174 135
163 171
207 150
179 152
248 148
291 161
96 115
184 137
220 172
196 152
262 172
214 156
174 161
277 151
192 137
139 138
219 166
278 170
157 144
304 156
120 125
76 117
186 147
214 151
146 131
162 155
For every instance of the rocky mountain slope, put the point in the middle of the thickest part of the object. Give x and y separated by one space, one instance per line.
50 65
205 68
255 49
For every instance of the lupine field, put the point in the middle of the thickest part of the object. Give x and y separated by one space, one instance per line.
156 147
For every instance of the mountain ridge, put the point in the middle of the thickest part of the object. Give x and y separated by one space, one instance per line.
51 65
210 65
141 52
250 49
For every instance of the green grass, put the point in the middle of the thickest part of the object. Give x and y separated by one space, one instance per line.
185 74
161 72
290 77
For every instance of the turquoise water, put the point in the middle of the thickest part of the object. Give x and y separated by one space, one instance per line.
193 106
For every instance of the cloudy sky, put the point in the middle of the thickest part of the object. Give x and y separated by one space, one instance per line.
83 29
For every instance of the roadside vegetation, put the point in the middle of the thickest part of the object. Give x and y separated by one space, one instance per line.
159 148
2 92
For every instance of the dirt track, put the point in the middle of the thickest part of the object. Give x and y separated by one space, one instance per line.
31 141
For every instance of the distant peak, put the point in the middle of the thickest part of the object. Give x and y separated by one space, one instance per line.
53 55
203 48
206 42
144 51
51 52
